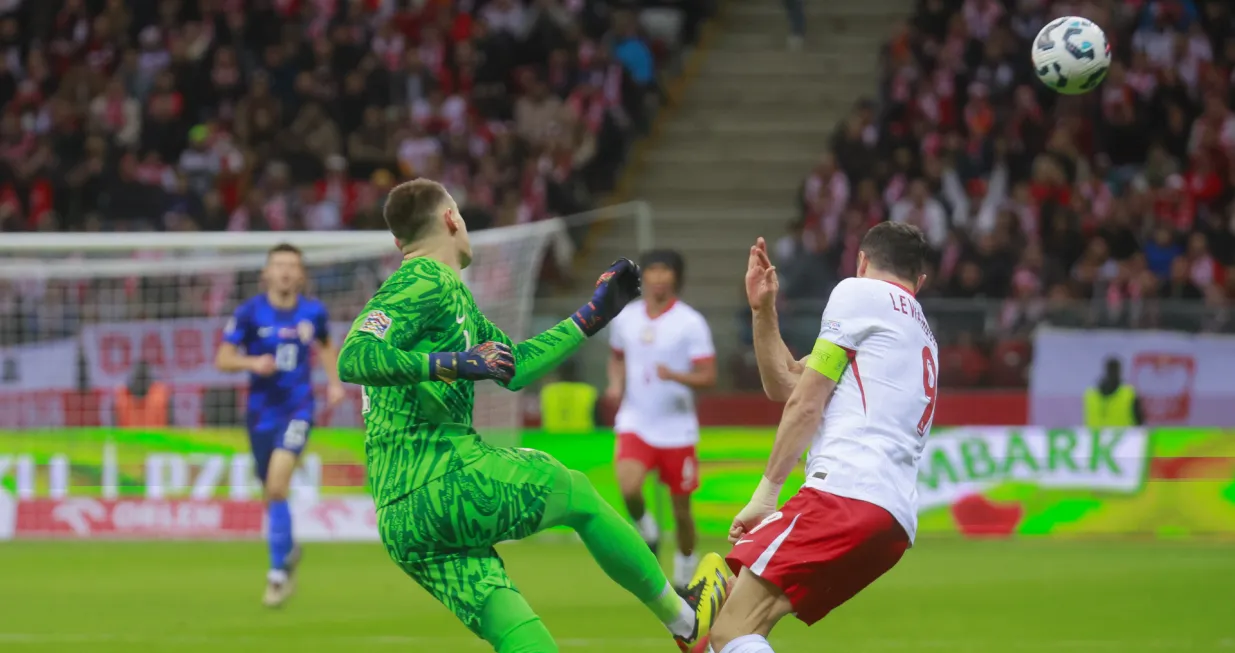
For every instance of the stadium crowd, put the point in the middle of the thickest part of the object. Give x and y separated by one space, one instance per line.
1109 209
243 115
298 114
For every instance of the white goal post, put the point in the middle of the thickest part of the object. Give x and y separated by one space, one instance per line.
82 312
91 323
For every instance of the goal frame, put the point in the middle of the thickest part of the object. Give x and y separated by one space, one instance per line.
78 242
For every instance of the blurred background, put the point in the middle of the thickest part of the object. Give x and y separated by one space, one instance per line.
1081 287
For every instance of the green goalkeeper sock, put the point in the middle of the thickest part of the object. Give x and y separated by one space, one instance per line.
509 624
619 550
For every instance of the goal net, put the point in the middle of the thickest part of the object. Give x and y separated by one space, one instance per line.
100 331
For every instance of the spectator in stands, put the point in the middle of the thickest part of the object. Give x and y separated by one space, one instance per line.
370 146
632 50
920 209
219 93
506 17
538 112
1068 211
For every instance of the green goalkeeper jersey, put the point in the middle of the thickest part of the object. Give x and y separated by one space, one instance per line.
418 429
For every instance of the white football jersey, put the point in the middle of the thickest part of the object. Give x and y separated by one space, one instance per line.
876 424
661 413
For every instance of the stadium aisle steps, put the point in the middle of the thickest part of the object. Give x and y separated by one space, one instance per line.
753 122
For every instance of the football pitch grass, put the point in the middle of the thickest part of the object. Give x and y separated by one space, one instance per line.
947 595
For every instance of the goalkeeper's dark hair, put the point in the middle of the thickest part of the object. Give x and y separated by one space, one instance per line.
284 247
411 208
898 248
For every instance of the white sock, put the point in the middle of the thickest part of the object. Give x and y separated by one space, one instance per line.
648 529
684 568
684 623
748 644
276 576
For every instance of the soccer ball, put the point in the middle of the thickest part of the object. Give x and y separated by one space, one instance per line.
1071 55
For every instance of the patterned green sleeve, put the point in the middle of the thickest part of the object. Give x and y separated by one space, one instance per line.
387 344
538 355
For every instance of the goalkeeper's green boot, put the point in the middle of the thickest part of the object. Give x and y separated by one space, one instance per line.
706 593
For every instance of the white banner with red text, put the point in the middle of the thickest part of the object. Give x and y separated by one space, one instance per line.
1180 378
179 352
73 382
337 519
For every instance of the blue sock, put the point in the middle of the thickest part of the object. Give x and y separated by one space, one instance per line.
280 533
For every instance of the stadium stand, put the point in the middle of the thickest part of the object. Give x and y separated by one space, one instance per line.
1108 210
297 114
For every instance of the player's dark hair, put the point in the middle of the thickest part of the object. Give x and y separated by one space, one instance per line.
669 258
411 208
896 247
285 247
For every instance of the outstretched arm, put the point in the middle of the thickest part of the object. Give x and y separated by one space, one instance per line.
535 357
367 359
803 414
538 355
846 324
376 350
371 354
778 371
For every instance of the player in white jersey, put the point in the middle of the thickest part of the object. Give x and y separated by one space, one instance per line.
662 353
871 379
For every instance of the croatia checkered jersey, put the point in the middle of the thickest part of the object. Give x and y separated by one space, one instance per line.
875 425
260 328
662 413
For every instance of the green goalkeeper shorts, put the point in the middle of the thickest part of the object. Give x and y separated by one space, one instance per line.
442 534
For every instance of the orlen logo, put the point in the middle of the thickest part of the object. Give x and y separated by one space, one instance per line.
1164 383
133 516
80 514
86 517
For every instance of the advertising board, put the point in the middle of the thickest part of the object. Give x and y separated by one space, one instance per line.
976 482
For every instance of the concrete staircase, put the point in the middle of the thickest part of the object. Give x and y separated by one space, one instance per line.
751 124
727 165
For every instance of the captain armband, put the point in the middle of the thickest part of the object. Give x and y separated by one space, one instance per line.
828 359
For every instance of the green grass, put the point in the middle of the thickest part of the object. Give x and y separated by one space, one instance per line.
947 595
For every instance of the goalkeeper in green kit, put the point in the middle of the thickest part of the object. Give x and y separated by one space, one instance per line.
444 497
